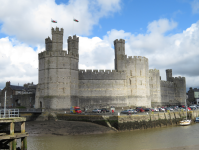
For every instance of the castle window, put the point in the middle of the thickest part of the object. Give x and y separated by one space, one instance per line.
140 82
140 72
119 48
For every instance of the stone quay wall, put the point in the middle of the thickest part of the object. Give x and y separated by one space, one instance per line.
133 122
121 123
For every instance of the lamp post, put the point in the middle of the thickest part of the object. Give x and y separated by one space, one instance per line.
5 105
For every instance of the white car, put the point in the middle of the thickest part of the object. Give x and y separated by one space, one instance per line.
156 109
96 110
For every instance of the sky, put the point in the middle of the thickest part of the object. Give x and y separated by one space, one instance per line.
164 31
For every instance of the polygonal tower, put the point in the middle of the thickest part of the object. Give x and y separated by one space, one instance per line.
119 54
58 74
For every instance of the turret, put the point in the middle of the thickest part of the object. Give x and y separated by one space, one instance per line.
57 39
168 74
48 43
119 54
73 44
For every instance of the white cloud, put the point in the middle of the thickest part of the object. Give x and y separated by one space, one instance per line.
95 53
29 21
18 63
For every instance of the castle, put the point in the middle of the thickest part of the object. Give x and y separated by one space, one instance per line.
62 85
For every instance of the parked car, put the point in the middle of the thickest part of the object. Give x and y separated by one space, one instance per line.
103 110
75 110
151 109
182 109
140 109
169 108
96 110
162 109
156 109
193 107
129 111
147 109
135 112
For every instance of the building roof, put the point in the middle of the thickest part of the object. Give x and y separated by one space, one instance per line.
17 88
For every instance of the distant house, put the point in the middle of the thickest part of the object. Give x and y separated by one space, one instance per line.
18 96
193 95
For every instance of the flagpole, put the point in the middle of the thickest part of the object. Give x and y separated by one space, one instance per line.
73 26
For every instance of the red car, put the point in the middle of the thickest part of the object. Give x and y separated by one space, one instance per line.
140 109
152 109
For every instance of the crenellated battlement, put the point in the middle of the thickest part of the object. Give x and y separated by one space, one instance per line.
57 31
166 84
57 54
136 58
48 40
179 78
73 38
119 41
153 71
101 75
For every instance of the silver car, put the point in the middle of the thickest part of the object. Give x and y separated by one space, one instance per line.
129 111
96 110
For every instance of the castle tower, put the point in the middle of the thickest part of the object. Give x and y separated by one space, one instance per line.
73 44
56 44
119 54
58 75
168 74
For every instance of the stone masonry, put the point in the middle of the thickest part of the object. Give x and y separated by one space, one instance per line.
62 85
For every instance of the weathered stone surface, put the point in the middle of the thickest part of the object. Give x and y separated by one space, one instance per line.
62 85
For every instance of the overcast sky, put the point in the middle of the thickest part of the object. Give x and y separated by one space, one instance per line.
166 32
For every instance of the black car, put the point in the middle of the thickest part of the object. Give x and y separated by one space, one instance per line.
147 109
103 110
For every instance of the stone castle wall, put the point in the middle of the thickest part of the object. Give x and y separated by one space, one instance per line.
154 84
62 85
102 88
138 81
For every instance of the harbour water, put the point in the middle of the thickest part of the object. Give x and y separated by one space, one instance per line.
157 138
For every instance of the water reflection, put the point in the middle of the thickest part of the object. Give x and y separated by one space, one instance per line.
140 139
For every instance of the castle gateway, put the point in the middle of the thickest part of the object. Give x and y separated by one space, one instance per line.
62 85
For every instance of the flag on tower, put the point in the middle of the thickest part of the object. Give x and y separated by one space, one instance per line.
53 21
75 20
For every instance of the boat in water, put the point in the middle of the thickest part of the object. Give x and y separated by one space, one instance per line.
186 121
197 119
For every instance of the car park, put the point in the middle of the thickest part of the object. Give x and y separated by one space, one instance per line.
96 110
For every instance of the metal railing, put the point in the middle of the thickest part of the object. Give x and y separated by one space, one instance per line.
9 113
